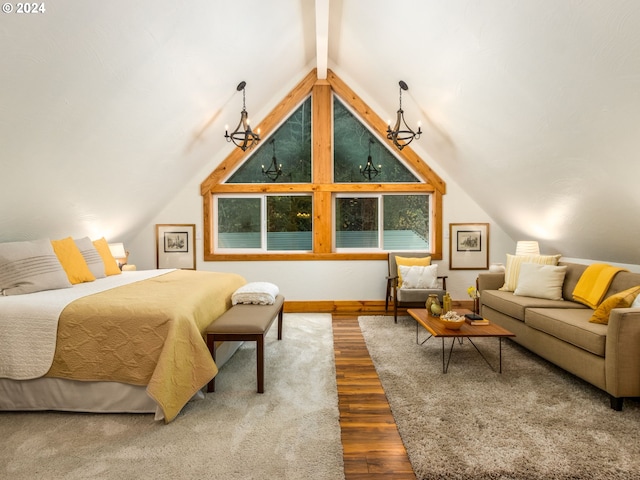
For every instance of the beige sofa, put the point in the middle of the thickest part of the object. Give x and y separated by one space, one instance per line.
607 356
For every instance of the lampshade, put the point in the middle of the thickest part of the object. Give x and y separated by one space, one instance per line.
117 250
527 247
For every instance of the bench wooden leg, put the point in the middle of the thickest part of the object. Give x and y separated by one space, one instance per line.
211 343
260 362
280 314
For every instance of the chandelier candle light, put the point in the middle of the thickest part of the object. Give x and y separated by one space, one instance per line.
370 171
242 136
275 169
402 135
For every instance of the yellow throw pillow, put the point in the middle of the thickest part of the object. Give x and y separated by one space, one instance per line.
110 264
512 271
622 299
411 262
72 261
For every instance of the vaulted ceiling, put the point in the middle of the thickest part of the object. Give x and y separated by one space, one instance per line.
107 109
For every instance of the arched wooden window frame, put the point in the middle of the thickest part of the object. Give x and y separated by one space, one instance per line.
322 187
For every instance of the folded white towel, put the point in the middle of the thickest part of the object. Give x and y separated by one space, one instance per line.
258 293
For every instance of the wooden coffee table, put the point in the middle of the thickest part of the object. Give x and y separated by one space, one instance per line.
435 327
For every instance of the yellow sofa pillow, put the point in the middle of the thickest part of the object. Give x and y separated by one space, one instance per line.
72 261
622 299
411 262
110 264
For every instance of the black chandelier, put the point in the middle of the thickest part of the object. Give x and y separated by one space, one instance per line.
402 135
370 171
242 136
275 169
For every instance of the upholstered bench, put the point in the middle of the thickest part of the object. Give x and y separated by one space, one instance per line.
246 322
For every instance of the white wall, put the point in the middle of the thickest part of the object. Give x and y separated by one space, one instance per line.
321 280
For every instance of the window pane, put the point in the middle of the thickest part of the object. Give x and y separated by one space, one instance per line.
351 151
239 223
406 222
357 222
290 145
289 223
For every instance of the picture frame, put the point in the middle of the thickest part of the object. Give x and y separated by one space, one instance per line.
175 245
469 246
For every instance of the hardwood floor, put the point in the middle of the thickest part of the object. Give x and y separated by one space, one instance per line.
370 439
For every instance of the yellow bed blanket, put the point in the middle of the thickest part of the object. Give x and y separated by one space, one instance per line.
146 333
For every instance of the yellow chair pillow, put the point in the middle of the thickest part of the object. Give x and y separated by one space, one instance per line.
72 261
110 264
622 299
411 262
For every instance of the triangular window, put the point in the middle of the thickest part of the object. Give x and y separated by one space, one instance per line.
321 207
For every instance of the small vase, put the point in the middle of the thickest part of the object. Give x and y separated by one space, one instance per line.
429 305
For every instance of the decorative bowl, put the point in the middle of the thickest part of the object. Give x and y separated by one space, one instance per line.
452 324
452 320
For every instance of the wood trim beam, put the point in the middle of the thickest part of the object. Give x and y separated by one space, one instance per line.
277 115
378 125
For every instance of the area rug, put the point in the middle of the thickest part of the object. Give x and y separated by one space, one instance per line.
291 431
533 421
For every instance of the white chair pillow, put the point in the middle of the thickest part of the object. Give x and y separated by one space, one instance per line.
419 277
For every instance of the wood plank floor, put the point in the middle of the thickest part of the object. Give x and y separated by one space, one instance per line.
370 439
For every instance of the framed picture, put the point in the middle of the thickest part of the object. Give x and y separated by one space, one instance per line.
175 246
468 246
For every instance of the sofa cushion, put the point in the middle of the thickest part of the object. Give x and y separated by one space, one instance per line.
570 325
514 306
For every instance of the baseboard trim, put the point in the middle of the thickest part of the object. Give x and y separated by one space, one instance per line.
351 307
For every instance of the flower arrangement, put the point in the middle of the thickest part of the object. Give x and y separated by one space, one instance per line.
473 292
475 295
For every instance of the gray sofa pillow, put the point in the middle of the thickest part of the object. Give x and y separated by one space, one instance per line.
30 266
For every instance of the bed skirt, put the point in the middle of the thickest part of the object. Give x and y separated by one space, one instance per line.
61 394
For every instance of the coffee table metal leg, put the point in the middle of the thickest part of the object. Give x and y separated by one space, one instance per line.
418 342
485 358
445 368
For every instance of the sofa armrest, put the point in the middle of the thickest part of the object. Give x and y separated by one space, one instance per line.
622 354
490 281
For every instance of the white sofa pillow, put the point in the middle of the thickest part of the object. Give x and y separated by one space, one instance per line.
513 267
540 281
419 277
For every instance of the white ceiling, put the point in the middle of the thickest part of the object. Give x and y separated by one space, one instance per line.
108 108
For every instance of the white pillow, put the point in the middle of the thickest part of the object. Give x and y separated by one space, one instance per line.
513 267
419 277
636 302
257 293
540 281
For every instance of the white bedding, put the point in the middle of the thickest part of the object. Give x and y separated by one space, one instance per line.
257 293
29 323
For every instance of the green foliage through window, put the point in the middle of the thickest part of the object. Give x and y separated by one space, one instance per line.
290 144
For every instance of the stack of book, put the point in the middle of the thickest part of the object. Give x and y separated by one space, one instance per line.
473 319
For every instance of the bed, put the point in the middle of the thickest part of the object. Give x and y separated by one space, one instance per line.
125 343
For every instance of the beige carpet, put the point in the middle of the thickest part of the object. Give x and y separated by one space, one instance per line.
290 432
533 421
